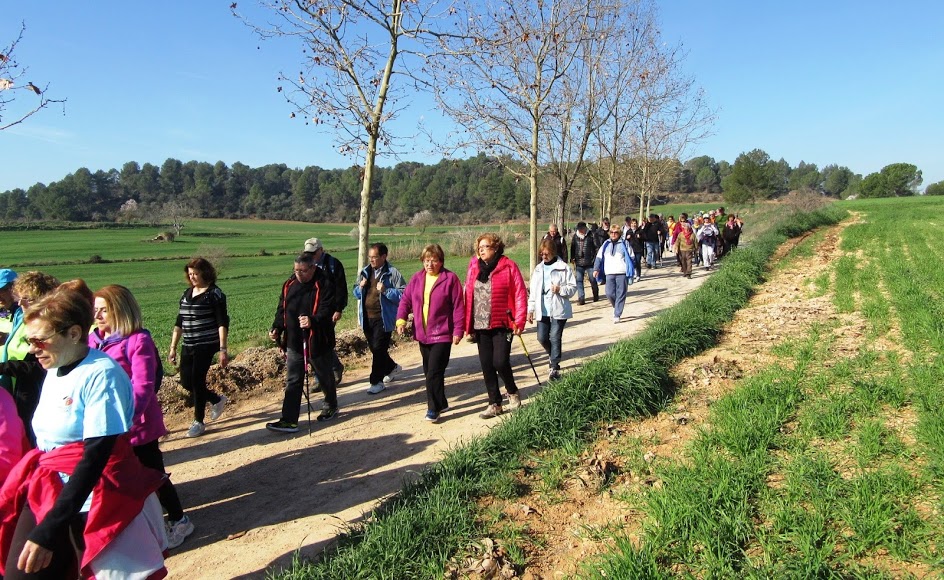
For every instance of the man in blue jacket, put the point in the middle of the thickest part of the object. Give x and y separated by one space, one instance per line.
614 265
379 289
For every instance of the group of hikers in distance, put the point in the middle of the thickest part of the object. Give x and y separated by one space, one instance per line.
84 482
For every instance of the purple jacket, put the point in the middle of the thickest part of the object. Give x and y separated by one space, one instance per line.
138 355
446 309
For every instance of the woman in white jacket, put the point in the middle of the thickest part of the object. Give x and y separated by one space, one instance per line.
552 285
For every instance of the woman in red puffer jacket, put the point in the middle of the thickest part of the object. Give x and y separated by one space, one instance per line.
496 303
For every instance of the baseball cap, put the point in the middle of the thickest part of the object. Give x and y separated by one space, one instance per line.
7 276
313 245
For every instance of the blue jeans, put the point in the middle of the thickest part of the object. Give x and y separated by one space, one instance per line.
550 331
580 271
616 292
652 253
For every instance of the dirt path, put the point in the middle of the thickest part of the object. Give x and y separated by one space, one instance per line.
256 497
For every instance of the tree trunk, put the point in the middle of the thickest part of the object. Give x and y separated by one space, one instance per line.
363 224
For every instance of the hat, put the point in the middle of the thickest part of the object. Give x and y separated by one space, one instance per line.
313 245
581 225
7 276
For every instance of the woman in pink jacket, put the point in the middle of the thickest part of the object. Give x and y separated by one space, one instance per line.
118 333
434 298
496 307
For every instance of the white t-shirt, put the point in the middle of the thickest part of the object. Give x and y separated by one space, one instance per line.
93 400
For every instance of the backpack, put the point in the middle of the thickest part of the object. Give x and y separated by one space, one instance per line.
159 371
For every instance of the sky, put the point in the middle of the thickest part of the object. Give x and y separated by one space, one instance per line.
853 83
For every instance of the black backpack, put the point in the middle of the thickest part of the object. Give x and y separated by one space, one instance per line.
159 371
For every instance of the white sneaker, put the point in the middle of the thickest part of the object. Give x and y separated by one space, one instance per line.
196 429
376 388
178 531
392 374
616 319
216 409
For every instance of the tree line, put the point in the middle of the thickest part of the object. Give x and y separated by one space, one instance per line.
474 190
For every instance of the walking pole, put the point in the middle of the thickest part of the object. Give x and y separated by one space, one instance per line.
525 348
305 363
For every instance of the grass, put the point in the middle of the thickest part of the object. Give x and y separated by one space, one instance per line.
860 483
630 380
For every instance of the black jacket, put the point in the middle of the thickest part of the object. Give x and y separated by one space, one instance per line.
634 239
315 299
559 244
583 259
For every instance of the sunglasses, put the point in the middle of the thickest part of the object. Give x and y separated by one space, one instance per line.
41 343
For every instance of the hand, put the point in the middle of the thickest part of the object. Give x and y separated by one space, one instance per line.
304 322
401 329
336 317
33 558
274 335
518 330
362 283
530 317
555 288
380 286
172 358
596 274
224 359
456 339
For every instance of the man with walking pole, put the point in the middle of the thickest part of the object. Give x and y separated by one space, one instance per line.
304 331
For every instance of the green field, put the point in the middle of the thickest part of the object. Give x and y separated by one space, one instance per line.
253 258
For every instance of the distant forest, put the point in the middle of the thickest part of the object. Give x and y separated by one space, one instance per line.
474 190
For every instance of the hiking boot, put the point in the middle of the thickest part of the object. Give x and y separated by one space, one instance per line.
490 412
580 301
376 388
281 426
328 413
196 429
338 373
392 374
432 416
216 409
514 401
178 531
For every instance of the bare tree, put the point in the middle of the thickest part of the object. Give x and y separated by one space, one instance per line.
673 115
352 50
507 59
12 74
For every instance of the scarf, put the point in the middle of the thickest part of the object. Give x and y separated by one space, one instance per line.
485 269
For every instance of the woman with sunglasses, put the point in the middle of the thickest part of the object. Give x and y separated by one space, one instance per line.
496 301
119 334
80 501
552 285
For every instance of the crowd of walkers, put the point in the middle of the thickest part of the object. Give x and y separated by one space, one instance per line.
85 488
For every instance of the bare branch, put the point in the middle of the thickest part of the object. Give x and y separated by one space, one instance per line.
11 87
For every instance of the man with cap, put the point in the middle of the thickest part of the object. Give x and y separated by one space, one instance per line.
334 270
15 346
583 251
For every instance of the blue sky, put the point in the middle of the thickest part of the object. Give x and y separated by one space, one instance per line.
857 83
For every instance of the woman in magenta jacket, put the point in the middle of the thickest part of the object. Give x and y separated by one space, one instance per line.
496 306
118 333
434 298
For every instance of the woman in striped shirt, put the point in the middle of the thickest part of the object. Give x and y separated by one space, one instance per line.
203 323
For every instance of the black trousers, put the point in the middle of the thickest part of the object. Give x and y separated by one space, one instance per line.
495 358
150 456
195 362
435 361
66 551
378 340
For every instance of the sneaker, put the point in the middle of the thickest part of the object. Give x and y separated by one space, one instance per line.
196 429
216 409
432 416
491 411
443 410
178 531
281 426
616 319
328 413
514 401
392 374
581 301
554 375
376 388
338 373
